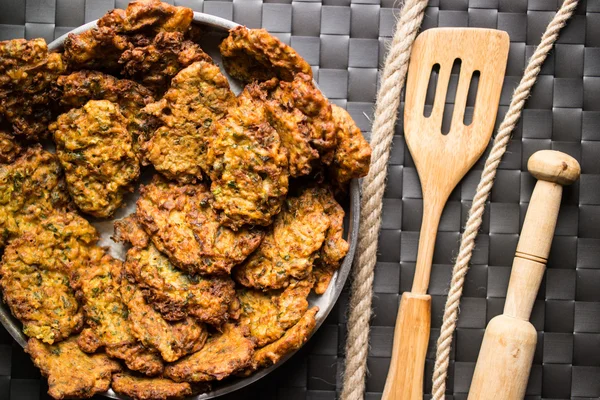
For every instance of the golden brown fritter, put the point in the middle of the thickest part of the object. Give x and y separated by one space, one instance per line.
261 315
34 275
40 298
253 54
184 226
95 149
172 340
27 75
247 164
148 16
353 153
79 87
175 294
62 242
71 373
155 64
291 245
30 188
269 314
292 302
177 152
292 340
99 290
9 148
224 354
138 358
142 388
198 97
97 49
302 117
335 246
129 230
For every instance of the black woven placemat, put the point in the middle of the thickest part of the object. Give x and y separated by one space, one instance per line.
345 41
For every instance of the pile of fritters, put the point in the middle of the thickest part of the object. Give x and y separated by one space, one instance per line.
239 224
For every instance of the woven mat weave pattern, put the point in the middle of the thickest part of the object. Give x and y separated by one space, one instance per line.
345 42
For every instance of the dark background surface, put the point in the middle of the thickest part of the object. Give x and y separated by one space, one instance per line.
345 41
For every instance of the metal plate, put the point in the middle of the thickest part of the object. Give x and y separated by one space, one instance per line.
216 30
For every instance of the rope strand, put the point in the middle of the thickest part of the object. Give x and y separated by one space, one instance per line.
373 186
483 191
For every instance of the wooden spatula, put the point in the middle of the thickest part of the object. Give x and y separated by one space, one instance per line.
441 162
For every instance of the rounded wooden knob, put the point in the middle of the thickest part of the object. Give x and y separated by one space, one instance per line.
554 166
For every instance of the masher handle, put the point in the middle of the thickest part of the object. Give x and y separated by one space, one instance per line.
553 169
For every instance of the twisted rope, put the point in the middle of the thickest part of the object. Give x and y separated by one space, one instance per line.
373 185
483 190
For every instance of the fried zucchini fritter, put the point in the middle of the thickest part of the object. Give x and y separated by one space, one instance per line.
224 354
97 49
254 54
353 153
34 275
27 76
71 373
199 94
99 289
247 164
79 87
198 97
96 151
142 388
292 302
177 152
269 314
129 230
155 64
261 315
63 241
335 246
172 340
183 225
9 148
26 65
148 16
291 245
175 294
30 188
302 117
40 298
292 340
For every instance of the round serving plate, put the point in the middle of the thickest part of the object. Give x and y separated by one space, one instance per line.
216 30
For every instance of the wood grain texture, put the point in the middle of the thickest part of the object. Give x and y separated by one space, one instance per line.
504 362
411 337
552 169
525 279
441 161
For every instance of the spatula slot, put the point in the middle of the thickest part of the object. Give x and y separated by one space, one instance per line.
431 88
451 96
471 98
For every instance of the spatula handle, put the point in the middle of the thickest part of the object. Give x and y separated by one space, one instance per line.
411 337
433 205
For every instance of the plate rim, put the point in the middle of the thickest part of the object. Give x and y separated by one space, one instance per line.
12 325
